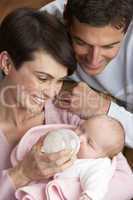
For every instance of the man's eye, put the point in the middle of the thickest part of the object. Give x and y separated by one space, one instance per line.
109 47
76 41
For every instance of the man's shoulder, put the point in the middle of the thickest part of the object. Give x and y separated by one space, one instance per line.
55 7
129 33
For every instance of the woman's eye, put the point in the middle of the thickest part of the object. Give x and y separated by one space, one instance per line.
42 79
60 81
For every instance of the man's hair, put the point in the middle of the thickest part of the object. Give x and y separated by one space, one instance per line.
100 13
26 31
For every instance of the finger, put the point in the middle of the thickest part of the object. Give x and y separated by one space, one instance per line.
65 166
72 104
63 160
51 171
64 96
61 167
69 85
37 147
67 158
81 88
63 105
65 101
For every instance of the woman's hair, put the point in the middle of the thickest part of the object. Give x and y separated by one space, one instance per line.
98 13
25 31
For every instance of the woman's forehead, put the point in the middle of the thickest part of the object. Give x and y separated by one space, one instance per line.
44 64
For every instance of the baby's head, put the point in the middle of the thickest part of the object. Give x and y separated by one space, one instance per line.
100 136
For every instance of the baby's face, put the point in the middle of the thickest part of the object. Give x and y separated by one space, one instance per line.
90 142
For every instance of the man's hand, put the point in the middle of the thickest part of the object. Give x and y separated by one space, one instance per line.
83 101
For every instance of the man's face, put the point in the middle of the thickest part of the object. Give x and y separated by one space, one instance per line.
95 47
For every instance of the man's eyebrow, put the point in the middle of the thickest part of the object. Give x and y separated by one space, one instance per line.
111 44
107 45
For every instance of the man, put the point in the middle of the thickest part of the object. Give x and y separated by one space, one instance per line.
101 32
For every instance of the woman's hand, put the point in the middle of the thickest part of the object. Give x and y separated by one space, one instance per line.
85 197
38 166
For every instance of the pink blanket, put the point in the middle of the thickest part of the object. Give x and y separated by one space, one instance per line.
54 190
66 189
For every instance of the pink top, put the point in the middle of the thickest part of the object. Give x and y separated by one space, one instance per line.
121 184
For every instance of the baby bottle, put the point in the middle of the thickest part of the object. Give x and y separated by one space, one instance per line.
60 139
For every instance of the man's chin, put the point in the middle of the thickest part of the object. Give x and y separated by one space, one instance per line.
93 71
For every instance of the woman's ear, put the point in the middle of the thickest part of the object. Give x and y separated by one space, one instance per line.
5 62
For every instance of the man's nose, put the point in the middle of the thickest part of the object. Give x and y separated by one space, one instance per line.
95 55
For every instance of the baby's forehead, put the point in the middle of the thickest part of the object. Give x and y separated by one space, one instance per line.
101 123
98 127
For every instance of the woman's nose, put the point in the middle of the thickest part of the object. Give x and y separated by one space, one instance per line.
52 90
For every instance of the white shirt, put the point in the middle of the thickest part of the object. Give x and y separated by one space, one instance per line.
116 78
94 175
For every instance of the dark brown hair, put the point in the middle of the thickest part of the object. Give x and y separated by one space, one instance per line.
99 13
25 31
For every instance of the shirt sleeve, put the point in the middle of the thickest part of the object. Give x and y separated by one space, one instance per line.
126 119
7 189
55 7
95 178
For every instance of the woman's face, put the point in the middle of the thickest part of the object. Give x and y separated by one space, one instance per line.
36 81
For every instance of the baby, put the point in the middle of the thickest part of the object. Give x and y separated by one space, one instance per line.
99 139
100 136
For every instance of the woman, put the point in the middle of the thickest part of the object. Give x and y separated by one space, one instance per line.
35 57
